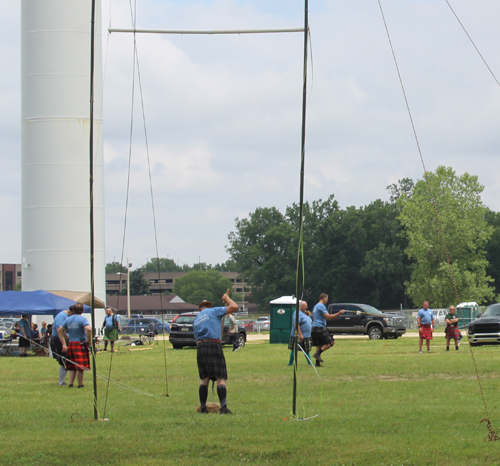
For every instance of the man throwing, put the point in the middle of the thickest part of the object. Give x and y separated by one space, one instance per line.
320 336
211 362
425 322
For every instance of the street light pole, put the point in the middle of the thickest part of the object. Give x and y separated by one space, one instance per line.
128 288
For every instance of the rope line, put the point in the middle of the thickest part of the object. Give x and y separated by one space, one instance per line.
492 436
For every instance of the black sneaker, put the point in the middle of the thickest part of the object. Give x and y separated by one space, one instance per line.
236 348
204 410
225 410
81 386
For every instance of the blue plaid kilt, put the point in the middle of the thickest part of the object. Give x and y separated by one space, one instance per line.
305 344
452 333
320 337
211 361
78 355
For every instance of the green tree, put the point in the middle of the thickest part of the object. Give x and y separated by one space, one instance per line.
263 248
493 249
138 284
115 267
457 200
198 285
165 265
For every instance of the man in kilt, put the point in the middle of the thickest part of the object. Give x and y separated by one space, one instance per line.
80 336
111 327
425 322
305 324
320 336
452 332
55 343
211 362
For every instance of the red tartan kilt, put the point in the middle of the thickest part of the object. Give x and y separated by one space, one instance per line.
78 356
452 333
425 332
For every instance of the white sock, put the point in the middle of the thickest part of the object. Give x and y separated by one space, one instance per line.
62 374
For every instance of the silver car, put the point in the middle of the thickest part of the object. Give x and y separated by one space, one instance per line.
262 324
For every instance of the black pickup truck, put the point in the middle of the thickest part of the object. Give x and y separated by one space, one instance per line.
363 319
485 330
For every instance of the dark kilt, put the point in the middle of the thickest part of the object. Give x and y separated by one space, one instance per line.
320 337
452 333
211 361
57 354
78 356
425 332
305 344
24 342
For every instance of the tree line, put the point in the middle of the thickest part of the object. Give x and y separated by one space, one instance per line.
433 240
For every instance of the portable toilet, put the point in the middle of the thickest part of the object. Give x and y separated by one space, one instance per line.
282 310
466 312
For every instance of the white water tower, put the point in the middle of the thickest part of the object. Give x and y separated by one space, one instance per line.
55 90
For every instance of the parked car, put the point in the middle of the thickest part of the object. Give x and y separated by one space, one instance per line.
248 324
485 329
262 324
145 325
363 319
440 317
181 331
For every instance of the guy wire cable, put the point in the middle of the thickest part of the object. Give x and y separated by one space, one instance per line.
472 42
492 436
136 55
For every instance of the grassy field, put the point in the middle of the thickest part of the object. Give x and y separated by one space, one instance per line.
378 403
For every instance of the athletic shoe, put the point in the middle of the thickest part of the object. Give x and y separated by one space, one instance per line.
225 410
420 352
236 349
81 386
204 410
70 385
428 350
61 384
317 357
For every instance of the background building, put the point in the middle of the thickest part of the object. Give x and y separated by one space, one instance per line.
10 277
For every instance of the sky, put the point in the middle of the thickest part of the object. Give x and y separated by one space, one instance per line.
223 113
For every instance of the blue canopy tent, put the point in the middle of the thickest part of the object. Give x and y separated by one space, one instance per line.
34 303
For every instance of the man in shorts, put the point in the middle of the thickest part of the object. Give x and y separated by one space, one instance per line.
55 343
24 336
425 322
211 362
320 336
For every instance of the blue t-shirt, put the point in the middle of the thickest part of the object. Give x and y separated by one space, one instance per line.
207 325
425 316
23 323
74 325
111 322
305 324
58 321
319 312
43 331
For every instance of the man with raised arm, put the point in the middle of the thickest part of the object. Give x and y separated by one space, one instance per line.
211 362
320 336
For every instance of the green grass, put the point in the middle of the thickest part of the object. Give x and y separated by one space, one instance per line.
379 403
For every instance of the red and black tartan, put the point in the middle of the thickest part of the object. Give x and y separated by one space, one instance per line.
452 333
425 332
78 355
305 344
320 336
211 361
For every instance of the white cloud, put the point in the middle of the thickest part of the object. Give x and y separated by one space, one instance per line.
223 113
